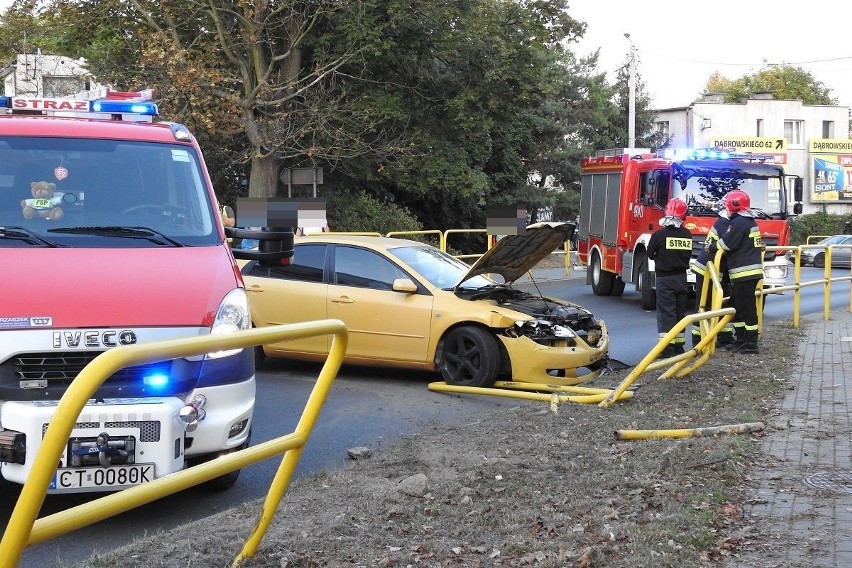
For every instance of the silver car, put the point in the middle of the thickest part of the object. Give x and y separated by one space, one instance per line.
840 256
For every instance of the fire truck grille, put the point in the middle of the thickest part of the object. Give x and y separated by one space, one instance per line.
149 430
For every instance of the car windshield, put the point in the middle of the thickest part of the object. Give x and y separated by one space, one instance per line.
439 268
102 193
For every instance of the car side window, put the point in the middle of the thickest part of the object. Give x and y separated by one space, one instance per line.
364 269
308 264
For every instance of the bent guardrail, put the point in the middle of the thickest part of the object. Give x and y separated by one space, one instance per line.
24 529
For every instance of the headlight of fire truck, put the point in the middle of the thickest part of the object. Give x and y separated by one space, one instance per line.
775 272
233 315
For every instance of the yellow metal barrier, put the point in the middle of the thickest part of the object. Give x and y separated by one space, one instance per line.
650 362
449 232
442 239
532 391
24 529
826 281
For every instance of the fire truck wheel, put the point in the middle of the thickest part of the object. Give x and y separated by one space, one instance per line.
601 279
647 293
223 482
470 357
617 287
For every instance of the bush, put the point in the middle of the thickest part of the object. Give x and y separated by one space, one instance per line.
357 211
818 224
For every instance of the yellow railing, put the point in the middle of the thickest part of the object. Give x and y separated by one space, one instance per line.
24 529
442 238
826 281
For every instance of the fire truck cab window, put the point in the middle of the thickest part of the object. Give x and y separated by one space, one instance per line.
654 186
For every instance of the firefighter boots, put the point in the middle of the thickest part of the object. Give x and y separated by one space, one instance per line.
749 345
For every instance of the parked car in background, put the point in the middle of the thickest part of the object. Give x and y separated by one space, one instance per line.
408 304
840 256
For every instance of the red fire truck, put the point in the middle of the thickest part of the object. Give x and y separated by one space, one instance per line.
624 194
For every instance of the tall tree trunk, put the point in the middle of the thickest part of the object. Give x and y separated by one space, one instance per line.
263 181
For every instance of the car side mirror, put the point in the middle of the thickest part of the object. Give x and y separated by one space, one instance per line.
404 285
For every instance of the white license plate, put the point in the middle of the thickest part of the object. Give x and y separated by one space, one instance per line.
102 477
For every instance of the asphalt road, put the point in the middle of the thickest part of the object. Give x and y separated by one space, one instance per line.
367 407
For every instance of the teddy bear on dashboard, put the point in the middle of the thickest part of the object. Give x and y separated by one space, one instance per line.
44 204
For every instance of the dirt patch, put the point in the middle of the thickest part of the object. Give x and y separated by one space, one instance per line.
525 486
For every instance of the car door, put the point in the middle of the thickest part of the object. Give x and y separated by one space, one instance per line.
290 294
383 324
842 256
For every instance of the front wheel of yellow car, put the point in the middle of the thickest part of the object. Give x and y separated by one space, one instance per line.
471 357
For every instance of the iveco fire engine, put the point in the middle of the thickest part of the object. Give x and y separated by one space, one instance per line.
125 246
624 194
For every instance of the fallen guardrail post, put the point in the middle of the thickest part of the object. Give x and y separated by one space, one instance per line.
704 432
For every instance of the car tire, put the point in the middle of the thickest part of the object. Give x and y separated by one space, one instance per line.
470 357
601 279
648 296
819 260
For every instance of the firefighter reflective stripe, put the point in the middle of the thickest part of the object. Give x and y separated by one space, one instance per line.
677 243
748 270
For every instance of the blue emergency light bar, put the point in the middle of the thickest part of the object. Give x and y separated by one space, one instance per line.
105 105
697 154
679 154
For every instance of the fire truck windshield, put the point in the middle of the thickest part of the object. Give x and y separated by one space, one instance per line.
702 184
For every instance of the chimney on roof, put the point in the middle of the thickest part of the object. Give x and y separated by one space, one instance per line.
714 98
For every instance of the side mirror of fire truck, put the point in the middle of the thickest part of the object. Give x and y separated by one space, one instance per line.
798 191
648 192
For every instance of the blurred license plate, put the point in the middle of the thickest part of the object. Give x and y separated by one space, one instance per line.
102 477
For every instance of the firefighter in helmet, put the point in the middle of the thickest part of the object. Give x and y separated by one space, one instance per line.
743 248
699 267
670 247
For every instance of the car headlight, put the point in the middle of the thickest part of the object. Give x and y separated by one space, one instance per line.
233 315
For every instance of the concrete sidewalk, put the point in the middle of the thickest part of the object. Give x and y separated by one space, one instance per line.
801 512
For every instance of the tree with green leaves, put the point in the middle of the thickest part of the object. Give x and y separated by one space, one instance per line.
785 82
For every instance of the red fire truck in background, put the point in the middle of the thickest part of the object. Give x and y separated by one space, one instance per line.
624 194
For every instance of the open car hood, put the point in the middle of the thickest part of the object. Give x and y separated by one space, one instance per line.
514 255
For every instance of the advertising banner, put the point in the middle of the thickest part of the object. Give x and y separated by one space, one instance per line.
831 170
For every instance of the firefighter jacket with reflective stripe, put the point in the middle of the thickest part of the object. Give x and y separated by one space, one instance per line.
670 248
743 247
704 256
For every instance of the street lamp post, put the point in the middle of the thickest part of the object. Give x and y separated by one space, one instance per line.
631 108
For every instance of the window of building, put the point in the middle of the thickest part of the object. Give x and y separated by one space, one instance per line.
759 130
828 129
794 132
663 128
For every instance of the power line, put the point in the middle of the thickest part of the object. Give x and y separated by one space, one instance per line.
747 64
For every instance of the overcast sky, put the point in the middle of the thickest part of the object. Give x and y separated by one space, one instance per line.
681 43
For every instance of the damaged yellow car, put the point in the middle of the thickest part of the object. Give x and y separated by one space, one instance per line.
408 304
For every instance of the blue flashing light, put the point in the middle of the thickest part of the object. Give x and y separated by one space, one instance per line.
145 108
5 102
156 380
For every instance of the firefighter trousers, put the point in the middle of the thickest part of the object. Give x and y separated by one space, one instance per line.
672 300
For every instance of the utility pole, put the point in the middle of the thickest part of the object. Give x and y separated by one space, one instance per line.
631 109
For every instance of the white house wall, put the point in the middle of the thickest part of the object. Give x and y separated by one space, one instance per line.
698 125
